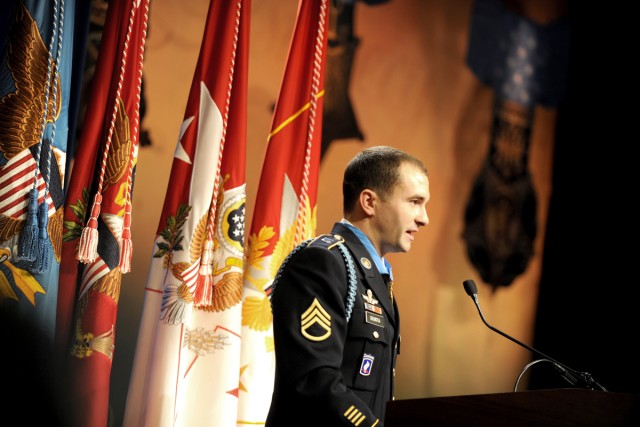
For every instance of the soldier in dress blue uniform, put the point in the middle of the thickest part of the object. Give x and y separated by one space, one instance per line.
335 322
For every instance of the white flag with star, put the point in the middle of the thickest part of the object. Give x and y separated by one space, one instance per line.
187 360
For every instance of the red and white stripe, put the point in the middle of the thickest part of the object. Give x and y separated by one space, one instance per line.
16 180
91 274
190 275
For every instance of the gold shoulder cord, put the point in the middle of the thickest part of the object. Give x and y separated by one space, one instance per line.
339 239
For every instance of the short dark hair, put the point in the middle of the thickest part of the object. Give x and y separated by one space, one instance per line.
375 168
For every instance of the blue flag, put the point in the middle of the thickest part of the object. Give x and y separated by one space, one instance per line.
35 93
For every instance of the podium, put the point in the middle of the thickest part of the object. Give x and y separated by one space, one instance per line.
554 407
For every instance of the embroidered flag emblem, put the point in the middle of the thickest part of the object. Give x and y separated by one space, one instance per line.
366 365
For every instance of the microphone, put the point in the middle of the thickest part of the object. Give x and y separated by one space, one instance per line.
570 375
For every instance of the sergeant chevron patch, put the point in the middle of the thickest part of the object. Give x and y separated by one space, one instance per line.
316 322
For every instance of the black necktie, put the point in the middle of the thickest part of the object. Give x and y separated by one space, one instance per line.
389 283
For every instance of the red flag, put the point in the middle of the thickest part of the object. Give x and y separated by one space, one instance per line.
285 209
187 359
99 199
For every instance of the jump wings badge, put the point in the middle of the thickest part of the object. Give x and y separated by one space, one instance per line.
369 298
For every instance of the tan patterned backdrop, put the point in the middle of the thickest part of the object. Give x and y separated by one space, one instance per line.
410 88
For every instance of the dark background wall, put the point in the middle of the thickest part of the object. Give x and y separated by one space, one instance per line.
587 314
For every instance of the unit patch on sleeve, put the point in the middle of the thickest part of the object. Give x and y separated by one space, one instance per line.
366 364
315 322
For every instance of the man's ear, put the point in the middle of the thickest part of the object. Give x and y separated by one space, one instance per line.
368 200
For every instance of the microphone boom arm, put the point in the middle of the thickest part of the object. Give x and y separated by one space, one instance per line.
565 372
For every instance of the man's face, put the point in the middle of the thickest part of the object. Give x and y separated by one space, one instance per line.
399 216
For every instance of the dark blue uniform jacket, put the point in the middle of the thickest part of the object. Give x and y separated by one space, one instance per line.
330 372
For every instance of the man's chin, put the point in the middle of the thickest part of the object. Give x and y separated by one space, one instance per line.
406 247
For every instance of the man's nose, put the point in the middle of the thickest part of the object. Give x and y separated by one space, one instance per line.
423 219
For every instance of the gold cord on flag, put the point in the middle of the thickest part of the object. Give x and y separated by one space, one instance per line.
318 63
203 295
126 244
88 245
